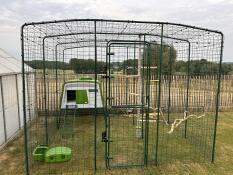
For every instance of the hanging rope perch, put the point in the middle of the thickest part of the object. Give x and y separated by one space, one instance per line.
177 122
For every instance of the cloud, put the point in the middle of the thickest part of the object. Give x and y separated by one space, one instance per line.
213 14
215 1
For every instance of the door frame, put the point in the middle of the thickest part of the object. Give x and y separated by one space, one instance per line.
108 100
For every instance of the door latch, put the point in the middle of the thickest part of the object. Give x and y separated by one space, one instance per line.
104 136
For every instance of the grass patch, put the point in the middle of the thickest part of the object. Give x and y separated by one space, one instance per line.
126 149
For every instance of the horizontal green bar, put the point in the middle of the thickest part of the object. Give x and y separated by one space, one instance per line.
126 166
128 106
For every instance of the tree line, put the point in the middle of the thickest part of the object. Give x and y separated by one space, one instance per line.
169 64
130 66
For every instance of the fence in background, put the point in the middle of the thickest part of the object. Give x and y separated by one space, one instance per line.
201 91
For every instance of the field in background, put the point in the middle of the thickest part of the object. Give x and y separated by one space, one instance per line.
202 90
11 158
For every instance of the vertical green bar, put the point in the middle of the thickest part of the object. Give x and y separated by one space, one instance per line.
63 60
126 87
169 83
56 77
45 96
134 73
142 85
109 102
187 90
148 75
24 107
159 95
217 99
56 88
144 57
106 104
95 97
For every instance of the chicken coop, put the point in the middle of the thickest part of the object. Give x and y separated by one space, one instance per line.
150 92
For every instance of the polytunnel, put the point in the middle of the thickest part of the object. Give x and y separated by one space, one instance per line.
11 97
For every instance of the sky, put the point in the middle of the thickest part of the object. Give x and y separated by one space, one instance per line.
211 14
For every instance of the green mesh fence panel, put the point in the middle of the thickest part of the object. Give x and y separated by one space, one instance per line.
159 93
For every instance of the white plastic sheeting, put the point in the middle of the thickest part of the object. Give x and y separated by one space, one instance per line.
11 97
30 96
9 64
2 132
20 96
10 104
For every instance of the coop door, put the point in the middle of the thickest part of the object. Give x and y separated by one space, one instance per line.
126 103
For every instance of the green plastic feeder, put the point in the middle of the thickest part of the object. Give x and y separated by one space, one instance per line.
39 152
57 154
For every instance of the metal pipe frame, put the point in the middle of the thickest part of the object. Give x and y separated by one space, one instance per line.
159 96
70 34
108 61
123 21
45 96
101 20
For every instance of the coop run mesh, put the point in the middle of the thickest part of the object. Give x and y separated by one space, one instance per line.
119 94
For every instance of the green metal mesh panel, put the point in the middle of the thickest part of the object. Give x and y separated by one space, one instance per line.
132 129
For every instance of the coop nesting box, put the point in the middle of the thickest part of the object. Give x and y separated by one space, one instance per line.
80 94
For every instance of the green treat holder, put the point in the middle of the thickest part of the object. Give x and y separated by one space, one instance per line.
39 153
57 154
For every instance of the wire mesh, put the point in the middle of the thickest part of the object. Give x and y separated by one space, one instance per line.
134 95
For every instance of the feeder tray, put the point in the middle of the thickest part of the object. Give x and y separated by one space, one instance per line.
51 155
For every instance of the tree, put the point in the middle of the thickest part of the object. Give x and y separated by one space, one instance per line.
39 64
168 57
86 65
202 67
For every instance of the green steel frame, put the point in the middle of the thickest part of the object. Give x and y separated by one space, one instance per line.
65 32
110 44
